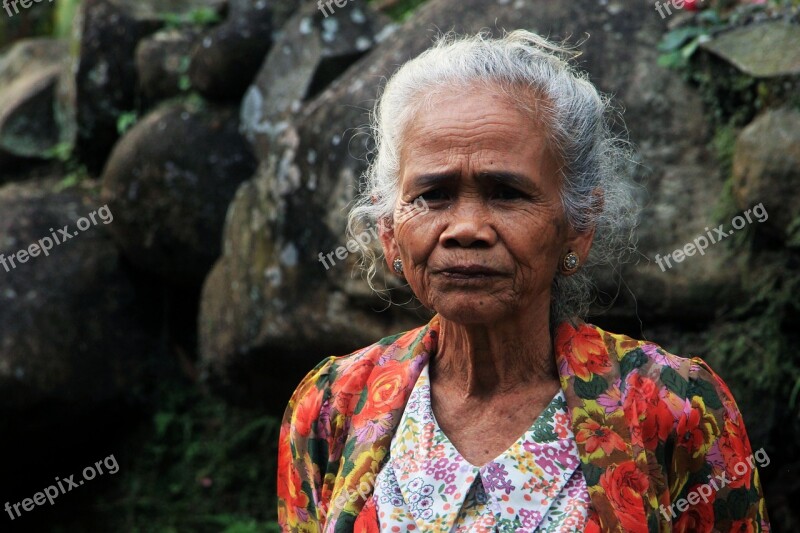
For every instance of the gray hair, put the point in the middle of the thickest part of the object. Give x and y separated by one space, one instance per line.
536 75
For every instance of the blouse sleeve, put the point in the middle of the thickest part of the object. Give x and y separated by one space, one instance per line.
302 454
714 480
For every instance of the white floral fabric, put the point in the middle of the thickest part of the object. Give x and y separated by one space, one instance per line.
536 485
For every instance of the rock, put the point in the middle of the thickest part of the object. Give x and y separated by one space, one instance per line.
30 54
29 74
312 52
762 50
69 330
106 71
162 63
766 169
169 182
227 57
254 312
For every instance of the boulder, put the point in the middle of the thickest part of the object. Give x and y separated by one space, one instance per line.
227 58
765 50
29 54
162 63
70 332
311 53
105 74
254 312
766 170
169 181
29 74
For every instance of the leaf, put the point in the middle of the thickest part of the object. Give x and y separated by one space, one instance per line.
674 39
738 503
706 391
125 121
633 359
591 473
689 49
721 510
674 382
709 16
590 390
671 60
653 522
162 422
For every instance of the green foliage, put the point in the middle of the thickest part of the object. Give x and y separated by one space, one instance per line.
73 178
724 144
63 17
678 45
732 97
201 465
62 151
184 82
126 121
401 10
793 239
755 346
201 16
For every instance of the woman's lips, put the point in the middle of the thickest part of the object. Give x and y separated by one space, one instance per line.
469 272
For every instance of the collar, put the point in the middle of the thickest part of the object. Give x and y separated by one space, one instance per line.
520 485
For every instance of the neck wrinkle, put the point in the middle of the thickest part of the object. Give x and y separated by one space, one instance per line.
481 361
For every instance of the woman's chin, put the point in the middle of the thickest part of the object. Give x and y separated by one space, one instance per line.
472 309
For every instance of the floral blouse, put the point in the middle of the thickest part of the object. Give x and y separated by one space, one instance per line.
662 444
535 485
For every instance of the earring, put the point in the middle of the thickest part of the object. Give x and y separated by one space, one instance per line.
570 262
398 265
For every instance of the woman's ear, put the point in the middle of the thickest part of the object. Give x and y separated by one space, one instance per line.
581 242
386 234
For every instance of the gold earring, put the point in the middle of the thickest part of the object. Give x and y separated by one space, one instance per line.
570 262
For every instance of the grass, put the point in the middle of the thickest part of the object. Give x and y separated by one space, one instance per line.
199 465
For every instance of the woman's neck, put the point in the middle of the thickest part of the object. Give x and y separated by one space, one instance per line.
483 360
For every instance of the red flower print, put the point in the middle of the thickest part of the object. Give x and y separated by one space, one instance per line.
594 435
290 483
348 385
386 389
697 518
746 525
649 417
696 428
624 485
367 521
592 523
735 450
352 378
583 349
307 411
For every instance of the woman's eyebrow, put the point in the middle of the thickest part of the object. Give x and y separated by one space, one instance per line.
435 178
502 177
510 179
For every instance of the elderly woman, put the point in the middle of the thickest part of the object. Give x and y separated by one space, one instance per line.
506 412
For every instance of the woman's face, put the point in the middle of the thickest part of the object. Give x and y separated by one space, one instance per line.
494 232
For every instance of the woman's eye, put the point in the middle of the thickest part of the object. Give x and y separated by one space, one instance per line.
508 193
434 194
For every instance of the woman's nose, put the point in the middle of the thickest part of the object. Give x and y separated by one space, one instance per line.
469 225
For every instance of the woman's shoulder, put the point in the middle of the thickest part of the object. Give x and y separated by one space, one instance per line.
685 375
349 373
